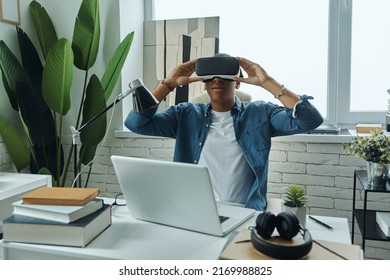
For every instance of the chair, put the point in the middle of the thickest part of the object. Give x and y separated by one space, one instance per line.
204 97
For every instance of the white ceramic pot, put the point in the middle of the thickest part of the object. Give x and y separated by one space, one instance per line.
300 212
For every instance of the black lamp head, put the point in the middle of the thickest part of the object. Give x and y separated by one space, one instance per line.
142 97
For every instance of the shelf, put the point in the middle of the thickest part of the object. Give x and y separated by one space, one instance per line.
373 232
362 177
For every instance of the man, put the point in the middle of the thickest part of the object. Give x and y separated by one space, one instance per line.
232 138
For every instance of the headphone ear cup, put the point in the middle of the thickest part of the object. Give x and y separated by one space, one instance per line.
281 251
265 224
287 225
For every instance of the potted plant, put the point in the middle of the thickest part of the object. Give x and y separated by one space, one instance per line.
40 91
295 200
375 150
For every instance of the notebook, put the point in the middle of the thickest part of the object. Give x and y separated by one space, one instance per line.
326 129
175 194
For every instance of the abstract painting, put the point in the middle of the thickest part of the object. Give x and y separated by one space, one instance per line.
168 43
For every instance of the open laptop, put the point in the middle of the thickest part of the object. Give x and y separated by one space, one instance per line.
175 194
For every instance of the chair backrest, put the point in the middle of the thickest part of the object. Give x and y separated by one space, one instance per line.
204 97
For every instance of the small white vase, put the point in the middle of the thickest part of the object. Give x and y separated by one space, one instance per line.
300 212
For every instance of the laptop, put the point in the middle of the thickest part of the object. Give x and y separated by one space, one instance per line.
175 194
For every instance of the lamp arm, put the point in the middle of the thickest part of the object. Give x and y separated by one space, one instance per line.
119 98
134 85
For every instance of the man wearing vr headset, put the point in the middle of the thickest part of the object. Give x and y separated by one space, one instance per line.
231 137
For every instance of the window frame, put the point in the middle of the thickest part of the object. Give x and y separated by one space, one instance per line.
339 69
344 38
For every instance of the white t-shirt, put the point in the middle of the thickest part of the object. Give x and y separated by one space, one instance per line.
231 175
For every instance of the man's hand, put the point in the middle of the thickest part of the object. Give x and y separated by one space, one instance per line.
181 74
256 74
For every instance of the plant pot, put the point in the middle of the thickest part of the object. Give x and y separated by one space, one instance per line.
300 212
377 174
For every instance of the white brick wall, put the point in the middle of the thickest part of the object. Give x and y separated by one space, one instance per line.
322 168
6 164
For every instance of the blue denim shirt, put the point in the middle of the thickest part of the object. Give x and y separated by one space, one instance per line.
254 125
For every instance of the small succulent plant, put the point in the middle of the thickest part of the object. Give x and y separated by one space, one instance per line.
295 196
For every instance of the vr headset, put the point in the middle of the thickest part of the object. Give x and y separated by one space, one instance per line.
225 67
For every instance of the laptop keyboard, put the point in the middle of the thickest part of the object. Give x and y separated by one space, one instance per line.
222 219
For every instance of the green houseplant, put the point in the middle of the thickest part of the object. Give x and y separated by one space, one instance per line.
295 200
41 91
375 150
295 196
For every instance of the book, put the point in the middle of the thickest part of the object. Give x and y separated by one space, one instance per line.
383 221
58 213
18 228
368 127
60 196
326 129
240 248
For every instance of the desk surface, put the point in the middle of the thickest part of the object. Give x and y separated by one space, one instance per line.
128 238
14 185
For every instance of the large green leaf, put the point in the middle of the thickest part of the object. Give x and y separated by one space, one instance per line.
93 134
94 104
86 35
46 156
17 149
115 65
12 73
37 119
45 171
34 111
58 77
46 32
87 154
30 60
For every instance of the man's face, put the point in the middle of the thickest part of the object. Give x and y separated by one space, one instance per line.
220 90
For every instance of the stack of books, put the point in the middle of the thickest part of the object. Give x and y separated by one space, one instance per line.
57 216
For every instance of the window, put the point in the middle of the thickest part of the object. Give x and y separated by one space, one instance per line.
370 62
291 46
335 50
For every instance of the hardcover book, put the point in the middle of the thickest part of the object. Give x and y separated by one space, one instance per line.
368 127
60 196
58 213
383 221
17 228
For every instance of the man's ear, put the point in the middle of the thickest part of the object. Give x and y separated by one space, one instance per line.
238 85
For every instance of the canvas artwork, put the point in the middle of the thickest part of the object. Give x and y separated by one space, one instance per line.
168 43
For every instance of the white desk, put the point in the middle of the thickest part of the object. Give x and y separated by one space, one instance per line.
14 185
128 238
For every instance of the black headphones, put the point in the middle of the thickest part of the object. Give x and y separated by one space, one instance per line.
288 226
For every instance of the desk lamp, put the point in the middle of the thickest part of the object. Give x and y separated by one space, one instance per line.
142 99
